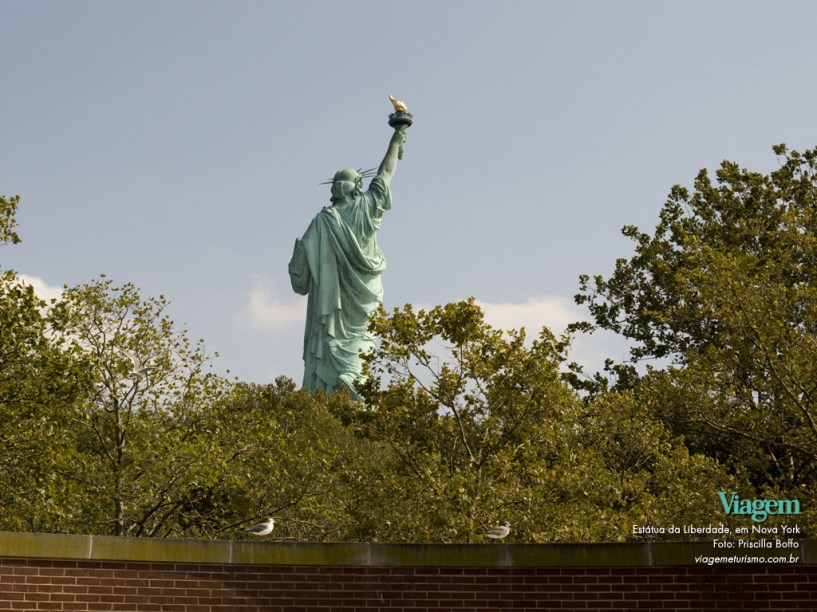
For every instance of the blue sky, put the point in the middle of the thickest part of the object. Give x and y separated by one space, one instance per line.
179 145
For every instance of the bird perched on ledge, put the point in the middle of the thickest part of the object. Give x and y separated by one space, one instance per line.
498 532
262 529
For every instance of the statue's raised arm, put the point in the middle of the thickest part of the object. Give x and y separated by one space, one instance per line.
393 153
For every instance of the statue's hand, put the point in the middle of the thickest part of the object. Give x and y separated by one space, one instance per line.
399 139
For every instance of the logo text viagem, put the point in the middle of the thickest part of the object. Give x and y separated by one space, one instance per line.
758 509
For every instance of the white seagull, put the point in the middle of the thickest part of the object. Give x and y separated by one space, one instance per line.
262 529
140 370
498 532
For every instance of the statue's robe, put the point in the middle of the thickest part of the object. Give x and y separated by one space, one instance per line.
338 264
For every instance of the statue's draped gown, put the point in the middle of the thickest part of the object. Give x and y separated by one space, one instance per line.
338 264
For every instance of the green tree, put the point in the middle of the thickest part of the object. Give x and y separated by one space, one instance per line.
648 476
481 428
764 224
38 383
8 219
140 438
281 453
464 424
725 288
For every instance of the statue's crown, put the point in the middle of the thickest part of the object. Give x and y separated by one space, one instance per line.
363 174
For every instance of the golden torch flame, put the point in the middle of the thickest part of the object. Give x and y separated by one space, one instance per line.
399 105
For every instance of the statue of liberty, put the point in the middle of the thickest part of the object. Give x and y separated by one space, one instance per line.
338 264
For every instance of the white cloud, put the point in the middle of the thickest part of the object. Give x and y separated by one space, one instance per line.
554 312
267 312
534 314
43 290
282 320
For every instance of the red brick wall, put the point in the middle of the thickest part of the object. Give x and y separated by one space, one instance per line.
45 584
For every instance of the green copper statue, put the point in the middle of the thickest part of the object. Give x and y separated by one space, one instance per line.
338 264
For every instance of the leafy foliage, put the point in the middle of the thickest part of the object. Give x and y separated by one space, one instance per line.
762 225
283 454
39 381
490 432
726 288
8 220
138 434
